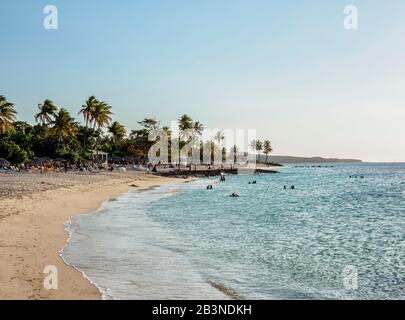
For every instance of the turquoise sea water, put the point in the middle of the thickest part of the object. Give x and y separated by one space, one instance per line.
269 243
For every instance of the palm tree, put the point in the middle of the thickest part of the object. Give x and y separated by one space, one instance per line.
7 114
257 146
198 128
252 146
87 111
117 131
267 148
21 126
185 123
150 123
219 136
47 110
168 133
234 151
64 127
101 116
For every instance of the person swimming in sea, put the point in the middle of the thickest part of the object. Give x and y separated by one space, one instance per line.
356 177
209 187
234 195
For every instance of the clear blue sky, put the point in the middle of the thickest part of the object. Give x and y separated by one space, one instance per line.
288 68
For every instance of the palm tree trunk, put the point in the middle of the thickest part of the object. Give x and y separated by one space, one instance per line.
57 145
97 141
179 155
85 136
94 128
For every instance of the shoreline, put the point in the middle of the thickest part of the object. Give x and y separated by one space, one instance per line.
33 234
220 291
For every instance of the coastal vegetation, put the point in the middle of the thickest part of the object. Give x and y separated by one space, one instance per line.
55 133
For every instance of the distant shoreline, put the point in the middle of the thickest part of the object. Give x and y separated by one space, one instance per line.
293 159
213 172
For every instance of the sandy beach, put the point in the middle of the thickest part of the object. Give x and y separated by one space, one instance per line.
33 210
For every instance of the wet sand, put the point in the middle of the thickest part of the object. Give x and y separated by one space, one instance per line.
33 210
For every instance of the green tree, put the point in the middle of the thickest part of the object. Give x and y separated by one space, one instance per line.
88 110
13 152
185 123
234 151
219 137
101 117
198 128
117 132
256 146
259 148
47 111
64 129
267 148
7 114
150 123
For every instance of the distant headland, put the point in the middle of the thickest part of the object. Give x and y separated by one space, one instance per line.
292 159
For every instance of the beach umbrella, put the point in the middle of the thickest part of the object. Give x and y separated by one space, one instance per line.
116 159
41 161
4 162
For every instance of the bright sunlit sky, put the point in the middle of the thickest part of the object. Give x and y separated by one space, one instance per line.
288 68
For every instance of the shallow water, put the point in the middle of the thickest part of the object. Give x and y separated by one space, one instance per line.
270 243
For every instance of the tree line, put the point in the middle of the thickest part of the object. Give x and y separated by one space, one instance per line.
57 134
